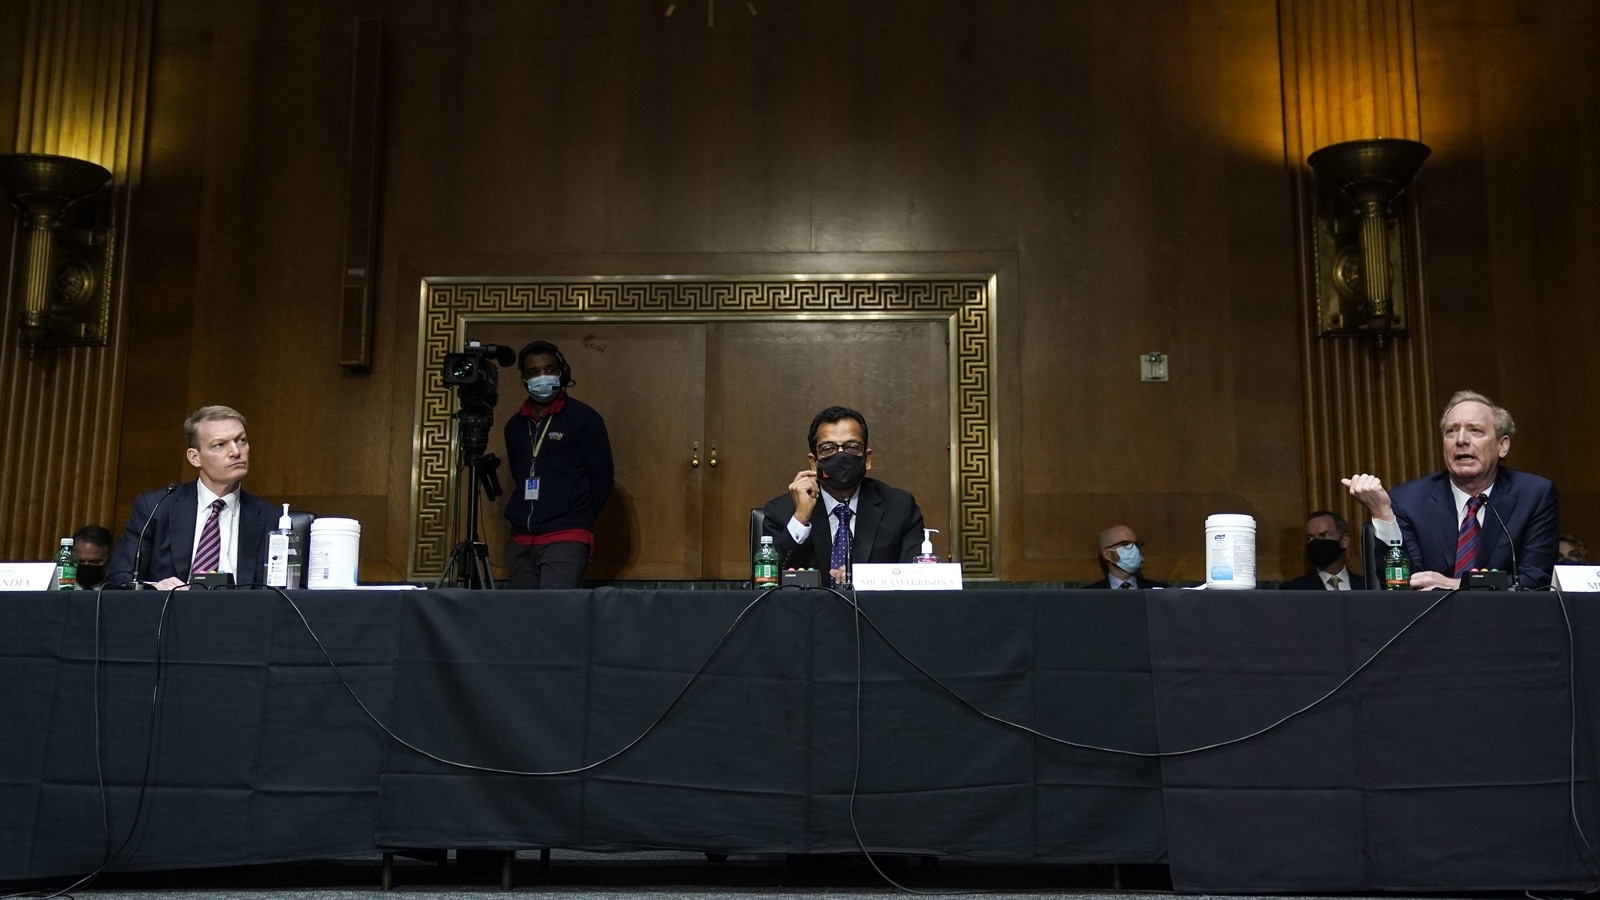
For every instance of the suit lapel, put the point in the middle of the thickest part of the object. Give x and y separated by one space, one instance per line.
181 529
869 514
1442 509
1503 499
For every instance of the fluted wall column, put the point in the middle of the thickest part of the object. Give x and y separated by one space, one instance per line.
84 83
1350 72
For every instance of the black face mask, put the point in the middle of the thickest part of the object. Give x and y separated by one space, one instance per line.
1323 551
90 575
842 471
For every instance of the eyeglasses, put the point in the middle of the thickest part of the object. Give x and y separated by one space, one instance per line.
829 448
1120 544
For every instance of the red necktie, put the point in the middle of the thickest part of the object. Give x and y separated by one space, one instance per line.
1467 541
208 554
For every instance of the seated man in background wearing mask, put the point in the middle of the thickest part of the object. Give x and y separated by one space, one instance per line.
561 470
1327 543
1121 557
91 546
864 520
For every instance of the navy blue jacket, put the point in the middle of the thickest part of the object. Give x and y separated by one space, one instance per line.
169 541
1426 511
574 469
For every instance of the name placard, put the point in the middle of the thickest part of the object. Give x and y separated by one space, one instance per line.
1583 579
906 576
26 576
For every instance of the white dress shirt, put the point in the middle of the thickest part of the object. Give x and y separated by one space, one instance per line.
801 532
227 522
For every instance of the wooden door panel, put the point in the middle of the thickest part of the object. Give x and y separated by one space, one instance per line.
767 380
648 381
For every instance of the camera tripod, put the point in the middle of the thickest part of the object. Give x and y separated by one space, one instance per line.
470 559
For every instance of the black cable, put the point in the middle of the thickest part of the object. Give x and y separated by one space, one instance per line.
494 770
1158 754
1572 734
110 855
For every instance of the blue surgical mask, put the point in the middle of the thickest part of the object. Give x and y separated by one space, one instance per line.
544 388
1129 559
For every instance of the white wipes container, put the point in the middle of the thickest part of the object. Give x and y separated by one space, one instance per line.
334 555
1230 552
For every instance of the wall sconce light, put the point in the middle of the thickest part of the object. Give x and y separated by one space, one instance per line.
1358 236
66 210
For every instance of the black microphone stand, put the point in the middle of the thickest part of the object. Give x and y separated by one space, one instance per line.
138 549
1516 570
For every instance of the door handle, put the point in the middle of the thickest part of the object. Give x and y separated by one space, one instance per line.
713 454
694 456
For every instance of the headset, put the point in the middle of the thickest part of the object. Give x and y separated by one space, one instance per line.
553 350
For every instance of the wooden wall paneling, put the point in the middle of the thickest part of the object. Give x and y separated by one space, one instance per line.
1513 111
1175 246
82 89
1350 72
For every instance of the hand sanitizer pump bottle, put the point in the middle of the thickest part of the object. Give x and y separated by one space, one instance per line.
926 556
283 554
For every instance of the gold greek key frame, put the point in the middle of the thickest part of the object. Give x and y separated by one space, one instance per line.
450 305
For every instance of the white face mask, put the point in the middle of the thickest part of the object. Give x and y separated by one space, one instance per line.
1129 559
543 388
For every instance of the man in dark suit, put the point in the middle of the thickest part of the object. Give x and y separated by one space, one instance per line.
206 525
1327 549
1122 559
865 519
1447 521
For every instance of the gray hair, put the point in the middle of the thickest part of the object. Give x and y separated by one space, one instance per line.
1503 426
191 425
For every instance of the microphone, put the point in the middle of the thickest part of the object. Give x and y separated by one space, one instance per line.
138 550
1516 570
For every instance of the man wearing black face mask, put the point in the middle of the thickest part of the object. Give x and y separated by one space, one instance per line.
864 520
91 546
1327 541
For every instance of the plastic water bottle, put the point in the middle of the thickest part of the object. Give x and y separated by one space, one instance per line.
283 554
66 573
766 565
1396 568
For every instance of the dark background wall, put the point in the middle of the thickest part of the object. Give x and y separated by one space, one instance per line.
1126 158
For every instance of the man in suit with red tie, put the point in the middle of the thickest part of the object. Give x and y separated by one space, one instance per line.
206 525
1475 514
833 514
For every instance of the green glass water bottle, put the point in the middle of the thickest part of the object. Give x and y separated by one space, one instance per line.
1396 568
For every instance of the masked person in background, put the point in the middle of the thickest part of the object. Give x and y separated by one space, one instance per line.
862 519
1122 557
560 459
1327 546
91 547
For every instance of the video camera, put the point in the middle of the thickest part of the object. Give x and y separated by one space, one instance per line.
475 375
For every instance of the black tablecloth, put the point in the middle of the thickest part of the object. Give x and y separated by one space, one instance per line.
1444 765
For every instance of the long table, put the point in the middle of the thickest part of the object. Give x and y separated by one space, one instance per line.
974 725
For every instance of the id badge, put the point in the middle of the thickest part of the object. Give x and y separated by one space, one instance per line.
530 488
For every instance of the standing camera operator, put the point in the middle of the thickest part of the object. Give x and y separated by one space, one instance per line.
560 458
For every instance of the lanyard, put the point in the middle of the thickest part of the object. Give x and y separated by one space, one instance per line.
532 462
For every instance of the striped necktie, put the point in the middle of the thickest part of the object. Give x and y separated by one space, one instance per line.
208 553
1467 540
